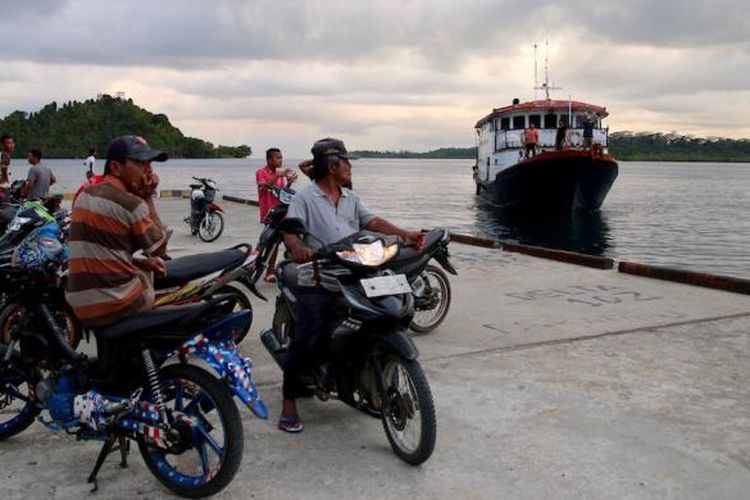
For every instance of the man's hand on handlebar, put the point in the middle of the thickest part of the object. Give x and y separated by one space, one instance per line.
417 238
301 254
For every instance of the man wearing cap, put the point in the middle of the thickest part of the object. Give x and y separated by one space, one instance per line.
111 221
330 211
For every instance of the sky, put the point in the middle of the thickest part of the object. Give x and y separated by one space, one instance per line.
381 74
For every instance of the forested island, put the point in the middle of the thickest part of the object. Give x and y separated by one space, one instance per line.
626 146
70 130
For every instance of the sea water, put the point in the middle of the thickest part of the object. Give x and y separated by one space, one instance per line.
686 215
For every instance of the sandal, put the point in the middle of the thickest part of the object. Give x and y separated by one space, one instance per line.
291 424
269 278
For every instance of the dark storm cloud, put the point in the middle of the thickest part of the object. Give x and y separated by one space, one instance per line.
191 33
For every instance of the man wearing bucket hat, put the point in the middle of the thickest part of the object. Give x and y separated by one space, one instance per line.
330 211
111 221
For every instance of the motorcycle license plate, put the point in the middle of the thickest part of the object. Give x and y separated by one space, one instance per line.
392 284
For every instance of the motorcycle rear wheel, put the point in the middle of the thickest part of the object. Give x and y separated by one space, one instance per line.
195 392
241 303
211 227
426 320
408 410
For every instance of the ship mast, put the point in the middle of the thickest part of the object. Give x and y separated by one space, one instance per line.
545 86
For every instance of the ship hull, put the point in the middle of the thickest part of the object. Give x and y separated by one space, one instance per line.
553 181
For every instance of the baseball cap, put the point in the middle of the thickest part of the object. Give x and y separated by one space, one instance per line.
331 147
134 147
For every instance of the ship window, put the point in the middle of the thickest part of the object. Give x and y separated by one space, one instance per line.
550 121
505 123
536 120
519 122
579 120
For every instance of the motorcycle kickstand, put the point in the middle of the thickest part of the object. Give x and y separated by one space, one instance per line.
106 450
123 445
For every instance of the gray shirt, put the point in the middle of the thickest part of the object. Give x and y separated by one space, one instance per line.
41 175
328 223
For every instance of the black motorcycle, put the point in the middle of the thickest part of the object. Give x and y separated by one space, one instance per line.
430 285
372 363
205 219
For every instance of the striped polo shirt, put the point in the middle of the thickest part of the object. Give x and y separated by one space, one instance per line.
107 226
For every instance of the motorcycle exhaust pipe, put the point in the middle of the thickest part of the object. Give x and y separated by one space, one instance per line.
273 346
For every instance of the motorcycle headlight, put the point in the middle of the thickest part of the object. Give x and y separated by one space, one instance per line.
369 254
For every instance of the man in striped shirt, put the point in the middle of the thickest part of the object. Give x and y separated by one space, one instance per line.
111 221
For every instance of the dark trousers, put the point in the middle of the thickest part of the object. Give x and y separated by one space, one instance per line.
310 340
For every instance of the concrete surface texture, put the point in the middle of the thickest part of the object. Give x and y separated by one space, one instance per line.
550 381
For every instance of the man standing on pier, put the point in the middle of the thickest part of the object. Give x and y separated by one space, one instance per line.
8 145
273 175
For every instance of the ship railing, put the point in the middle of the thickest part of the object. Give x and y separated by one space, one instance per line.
513 139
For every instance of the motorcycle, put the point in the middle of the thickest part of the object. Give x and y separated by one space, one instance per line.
196 277
33 217
372 363
205 219
271 235
184 421
430 285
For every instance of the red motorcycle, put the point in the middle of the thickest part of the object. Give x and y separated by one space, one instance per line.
206 219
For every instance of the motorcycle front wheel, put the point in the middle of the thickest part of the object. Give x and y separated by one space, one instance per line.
209 453
430 309
408 410
18 408
211 227
15 314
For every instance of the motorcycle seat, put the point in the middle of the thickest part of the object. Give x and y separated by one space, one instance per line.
196 186
155 320
190 267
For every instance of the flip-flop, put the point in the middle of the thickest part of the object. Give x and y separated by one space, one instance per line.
270 278
292 425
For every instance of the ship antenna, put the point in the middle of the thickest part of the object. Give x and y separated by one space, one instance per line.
546 68
536 79
545 86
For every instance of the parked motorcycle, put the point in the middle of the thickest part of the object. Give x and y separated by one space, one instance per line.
205 219
33 217
271 235
372 361
430 285
184 420
196 277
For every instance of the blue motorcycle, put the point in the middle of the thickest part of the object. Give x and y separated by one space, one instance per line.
182 417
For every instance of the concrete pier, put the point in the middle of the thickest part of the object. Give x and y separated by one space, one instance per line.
551 380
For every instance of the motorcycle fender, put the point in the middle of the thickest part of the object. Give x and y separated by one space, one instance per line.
213 207
235 371
400 343
442 258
